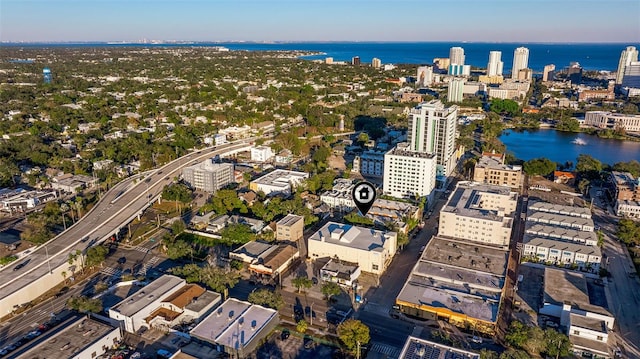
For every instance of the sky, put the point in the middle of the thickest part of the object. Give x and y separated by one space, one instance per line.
321 20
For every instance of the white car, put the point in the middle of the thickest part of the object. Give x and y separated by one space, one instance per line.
476 339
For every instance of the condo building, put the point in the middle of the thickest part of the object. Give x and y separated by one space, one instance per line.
409 174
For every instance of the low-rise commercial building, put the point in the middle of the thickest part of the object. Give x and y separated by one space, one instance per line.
290 228
208 176
456 281
274 263
373 250
566 253
581 311
79 338
236 328
342 272
480 213
21 200
163 303
417 348
612 121
491 169
278 182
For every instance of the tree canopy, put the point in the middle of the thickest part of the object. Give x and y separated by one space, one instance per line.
505 106
539 166
266 298
353 333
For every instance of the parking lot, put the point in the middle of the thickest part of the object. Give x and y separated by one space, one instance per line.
295 346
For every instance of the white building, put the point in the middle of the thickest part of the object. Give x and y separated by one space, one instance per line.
494 67
424 77
628 55
261 154
278 182
520 61
456 56
209 176
480 213
548 73
409 174
376 63
432 129
455 90
612 121
372 250
133 310
631 76
238 328
82 338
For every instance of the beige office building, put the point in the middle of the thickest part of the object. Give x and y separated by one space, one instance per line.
480 213
491 169
290 228
372 250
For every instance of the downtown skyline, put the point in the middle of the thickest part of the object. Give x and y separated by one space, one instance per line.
313 20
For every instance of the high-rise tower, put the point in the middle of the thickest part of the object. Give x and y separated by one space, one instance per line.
432 129
494 67
520 61
456 56
628 55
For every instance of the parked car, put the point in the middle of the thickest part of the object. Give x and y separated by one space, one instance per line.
285 334
476 339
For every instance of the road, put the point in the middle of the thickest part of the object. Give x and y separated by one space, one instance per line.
623 291
115 209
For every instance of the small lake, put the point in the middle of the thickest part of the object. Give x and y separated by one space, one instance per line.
559 147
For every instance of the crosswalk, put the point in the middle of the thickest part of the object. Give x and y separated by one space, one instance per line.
388 350
111 271
141 249
147 265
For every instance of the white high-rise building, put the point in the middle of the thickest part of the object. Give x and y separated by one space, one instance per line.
455 90
494 67
548 72
628 55
632 75
432 129
456 56
424 76
520 61
409 174
376 63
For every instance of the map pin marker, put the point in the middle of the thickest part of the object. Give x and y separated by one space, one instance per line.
364 194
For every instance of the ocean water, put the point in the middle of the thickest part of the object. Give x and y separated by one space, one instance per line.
590 56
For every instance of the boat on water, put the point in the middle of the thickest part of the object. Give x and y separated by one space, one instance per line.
579 141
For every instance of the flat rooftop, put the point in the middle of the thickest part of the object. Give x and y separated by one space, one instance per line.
281 178
234 324
559 209
155 290
567 286
185 295
415 348
467 200
351 236
496 163
419 290
70 340
466 255
342 269
209 166
588 323
255 249
206 298
290 219
402 149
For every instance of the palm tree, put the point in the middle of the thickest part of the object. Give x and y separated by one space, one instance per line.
64 276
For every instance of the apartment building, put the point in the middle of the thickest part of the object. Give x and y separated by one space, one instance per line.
480 213
491 169
612 121
409 174
290 228
208 176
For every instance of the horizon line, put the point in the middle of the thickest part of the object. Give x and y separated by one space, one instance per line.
267 42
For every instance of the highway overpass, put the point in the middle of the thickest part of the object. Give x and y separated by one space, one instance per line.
41 270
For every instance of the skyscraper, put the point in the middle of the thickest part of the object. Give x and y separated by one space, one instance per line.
456 56
494 67
548 72
424 76
632 75
456 61
628 55
432 129
355 61
455 91
376 63
520 61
